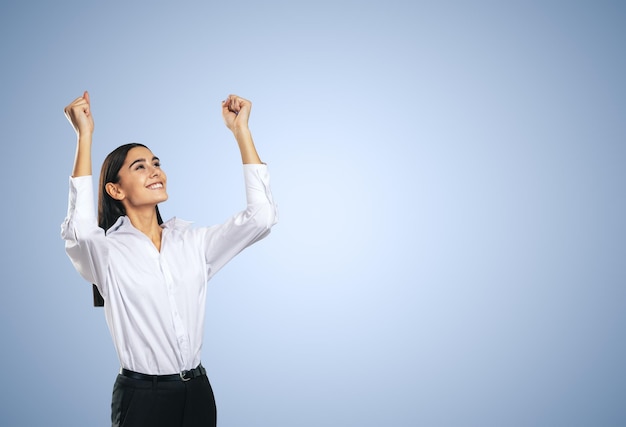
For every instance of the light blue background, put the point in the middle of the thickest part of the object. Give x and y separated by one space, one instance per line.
450 177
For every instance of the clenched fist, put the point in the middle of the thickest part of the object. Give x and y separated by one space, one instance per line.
236 112
79 115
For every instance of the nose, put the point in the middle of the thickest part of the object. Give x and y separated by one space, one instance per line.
155 171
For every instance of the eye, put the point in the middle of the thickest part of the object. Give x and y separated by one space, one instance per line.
157 164
140 166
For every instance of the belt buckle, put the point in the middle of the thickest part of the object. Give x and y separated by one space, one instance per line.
183 375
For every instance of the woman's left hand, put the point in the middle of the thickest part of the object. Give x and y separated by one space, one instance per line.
236 112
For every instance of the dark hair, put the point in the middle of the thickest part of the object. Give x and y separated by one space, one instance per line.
109 209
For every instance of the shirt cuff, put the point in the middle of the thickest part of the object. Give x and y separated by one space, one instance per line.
257 179
81 197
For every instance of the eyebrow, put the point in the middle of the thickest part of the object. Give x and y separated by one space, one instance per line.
142 160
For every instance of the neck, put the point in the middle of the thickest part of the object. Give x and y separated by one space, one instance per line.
147 222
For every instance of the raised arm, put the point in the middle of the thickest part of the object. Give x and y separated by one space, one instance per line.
79 115
236 112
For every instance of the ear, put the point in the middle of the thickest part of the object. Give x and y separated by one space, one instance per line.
114 191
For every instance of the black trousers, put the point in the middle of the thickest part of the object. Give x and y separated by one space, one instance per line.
163 403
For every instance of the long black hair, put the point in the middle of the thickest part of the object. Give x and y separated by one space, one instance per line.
109 209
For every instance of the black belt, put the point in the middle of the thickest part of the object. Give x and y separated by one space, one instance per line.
182 376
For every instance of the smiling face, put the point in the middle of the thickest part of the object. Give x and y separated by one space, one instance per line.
142 182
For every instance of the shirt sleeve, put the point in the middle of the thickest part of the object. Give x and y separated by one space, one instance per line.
223 242
85 242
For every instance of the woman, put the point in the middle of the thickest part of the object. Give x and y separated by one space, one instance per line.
152 274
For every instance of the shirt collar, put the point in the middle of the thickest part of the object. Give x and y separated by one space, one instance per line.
123 224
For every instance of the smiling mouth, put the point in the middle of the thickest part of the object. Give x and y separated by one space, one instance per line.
155 186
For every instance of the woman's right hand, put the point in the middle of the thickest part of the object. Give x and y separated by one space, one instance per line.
79 115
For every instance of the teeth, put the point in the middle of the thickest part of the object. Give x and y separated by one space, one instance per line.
155 186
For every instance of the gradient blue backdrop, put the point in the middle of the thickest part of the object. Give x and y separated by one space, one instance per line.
450 177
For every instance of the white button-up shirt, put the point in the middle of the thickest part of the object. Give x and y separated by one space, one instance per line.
155 301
